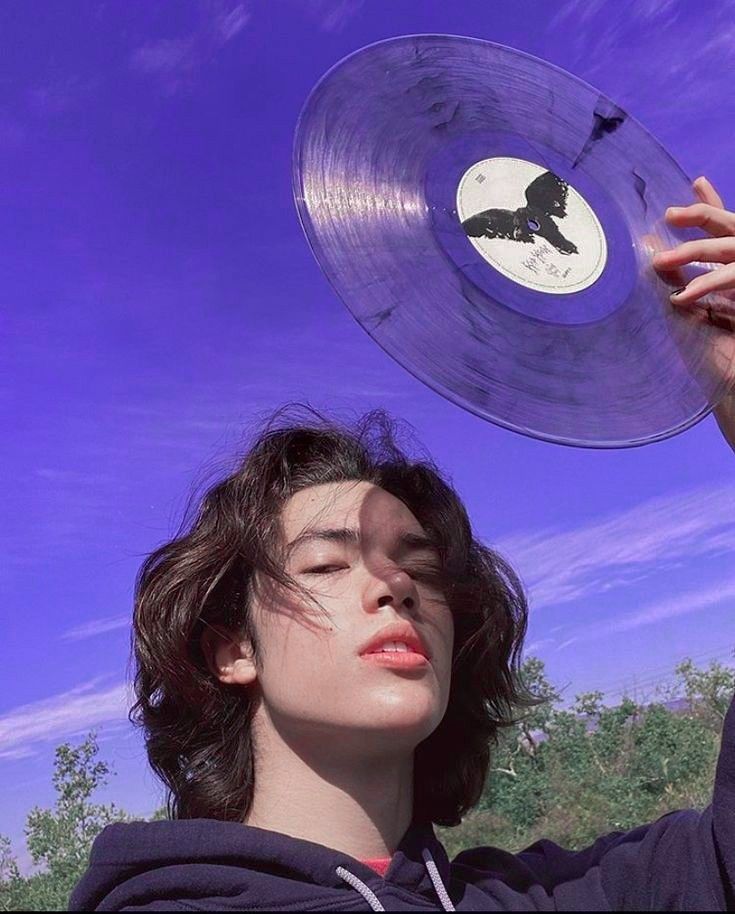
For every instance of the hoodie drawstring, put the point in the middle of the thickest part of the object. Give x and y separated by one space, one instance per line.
372 898
437 880
359 885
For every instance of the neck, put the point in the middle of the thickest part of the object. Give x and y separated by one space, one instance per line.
328 791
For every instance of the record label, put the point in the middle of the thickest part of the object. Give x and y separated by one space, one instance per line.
531 226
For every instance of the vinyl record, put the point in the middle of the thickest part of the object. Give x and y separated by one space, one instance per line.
489 219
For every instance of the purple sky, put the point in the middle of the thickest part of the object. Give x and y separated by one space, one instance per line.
158 297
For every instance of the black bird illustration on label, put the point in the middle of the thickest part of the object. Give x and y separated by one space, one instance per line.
546 196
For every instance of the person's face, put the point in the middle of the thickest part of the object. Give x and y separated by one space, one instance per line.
312 678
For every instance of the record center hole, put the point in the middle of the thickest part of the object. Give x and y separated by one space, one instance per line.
533 225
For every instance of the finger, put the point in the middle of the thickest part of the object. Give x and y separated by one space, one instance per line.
653 246
703 250
674 278
706 192
712 219
716 280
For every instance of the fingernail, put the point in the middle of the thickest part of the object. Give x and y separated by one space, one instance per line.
678 292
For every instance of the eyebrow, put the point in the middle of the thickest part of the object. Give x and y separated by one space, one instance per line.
406 541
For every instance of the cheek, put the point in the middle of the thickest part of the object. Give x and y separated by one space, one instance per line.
302 666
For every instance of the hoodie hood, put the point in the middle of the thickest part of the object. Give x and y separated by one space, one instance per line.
207 863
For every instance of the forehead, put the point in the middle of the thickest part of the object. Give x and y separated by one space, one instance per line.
356 505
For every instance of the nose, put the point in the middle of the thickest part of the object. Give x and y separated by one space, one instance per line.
392 587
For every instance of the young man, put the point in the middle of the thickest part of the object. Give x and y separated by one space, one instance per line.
324 658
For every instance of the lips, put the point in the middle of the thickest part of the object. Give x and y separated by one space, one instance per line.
396 631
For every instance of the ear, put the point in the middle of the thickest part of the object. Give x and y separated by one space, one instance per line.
228 658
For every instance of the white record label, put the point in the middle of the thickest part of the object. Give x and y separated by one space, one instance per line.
531 226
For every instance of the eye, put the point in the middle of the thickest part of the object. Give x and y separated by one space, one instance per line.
428 575
423 571
324 569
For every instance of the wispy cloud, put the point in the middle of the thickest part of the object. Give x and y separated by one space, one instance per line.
96 627
229 23
175 62
332 15
63 716
558 566
580 12
669 49
659 611
533 648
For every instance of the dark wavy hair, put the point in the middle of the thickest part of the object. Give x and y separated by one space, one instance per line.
198 730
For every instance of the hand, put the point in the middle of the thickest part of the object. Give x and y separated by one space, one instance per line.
718 284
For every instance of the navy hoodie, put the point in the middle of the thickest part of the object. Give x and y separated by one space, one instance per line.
683 862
